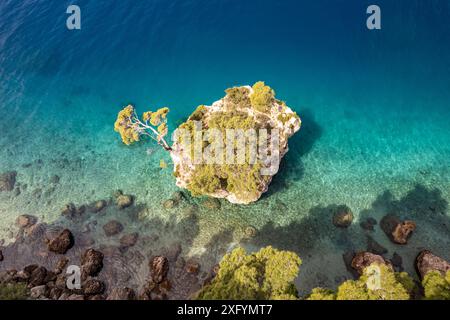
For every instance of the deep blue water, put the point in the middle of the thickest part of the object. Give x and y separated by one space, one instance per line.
375 104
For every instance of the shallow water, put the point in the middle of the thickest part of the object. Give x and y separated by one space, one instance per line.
375 107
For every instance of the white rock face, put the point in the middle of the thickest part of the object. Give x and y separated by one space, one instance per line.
278 116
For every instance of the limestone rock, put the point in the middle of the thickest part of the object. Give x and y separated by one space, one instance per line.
246 108
426 261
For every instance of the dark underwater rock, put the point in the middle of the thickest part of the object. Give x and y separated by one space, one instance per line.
38 277
112 228
129 240
122 293
61 265
69 211
342 217
93 287
192 267
91 262
375 247
98 206
62 243
368 224
7 181
398 231
426 261
159 267
397 261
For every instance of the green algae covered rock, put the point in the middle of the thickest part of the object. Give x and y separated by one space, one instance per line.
233 148
266 274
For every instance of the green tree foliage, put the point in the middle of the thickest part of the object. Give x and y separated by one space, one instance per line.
266 274
153 125
262 97
321 294
436 286
378 282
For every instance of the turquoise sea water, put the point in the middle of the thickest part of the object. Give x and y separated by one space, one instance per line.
375 107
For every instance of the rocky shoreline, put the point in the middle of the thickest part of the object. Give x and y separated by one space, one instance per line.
116 261
41 254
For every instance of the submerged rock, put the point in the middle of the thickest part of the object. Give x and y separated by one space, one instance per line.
62 243
123 293
38 292
61 265
93 287
112 228
25 221
38 277
250 232
343 217
7 181
397 261
169 204
375 247
91 262
398 231
69 210
243 108
177 196
124 201
98 206
129 240
426 261
159 267
211 203
192 267
368 224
